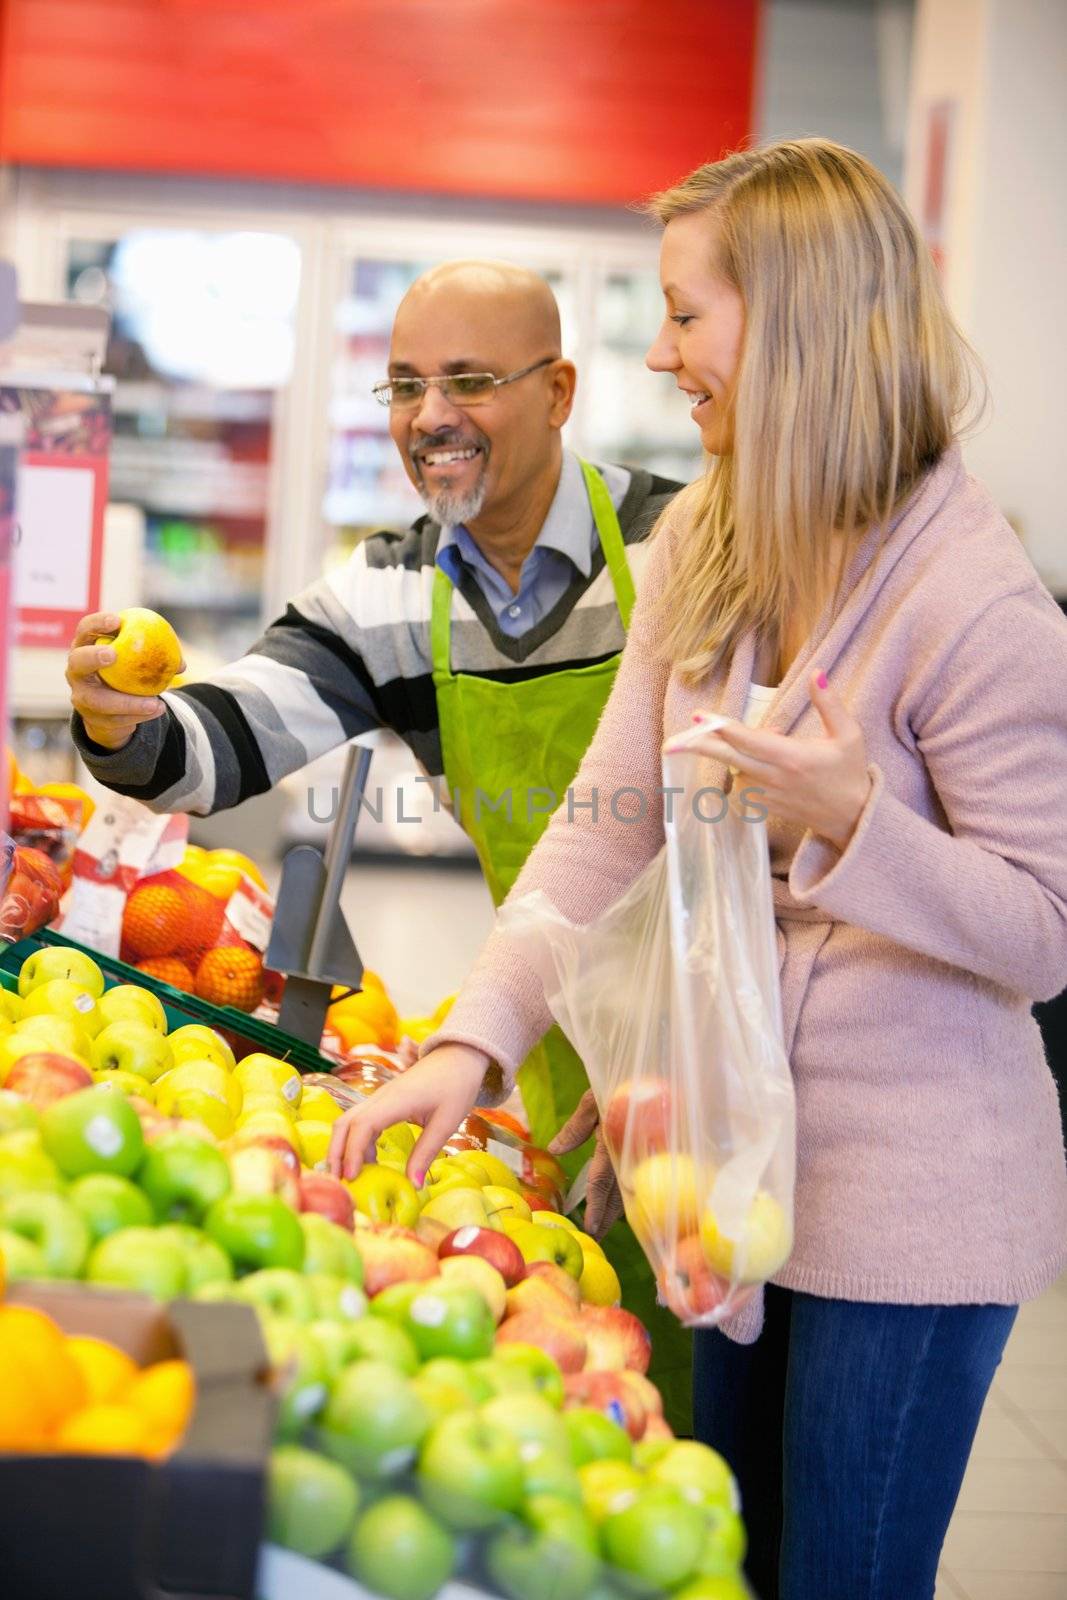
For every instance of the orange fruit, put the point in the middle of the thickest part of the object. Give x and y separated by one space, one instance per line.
204 916
369 1017
107 1370
231 975
163 1397
169 969
35 1361
154 920
104 1430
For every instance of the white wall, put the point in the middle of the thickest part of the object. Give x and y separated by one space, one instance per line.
1004 65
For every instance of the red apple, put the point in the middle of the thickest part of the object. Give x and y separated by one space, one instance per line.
610 1393
568 1287
496 1248
643 1390
328 1196
45 1076
283 1149
536 1295
535 1200
559 1337
615 1339
645 1106
393 1255
431 1230
689 1286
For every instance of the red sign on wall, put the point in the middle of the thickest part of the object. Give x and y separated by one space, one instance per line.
578 100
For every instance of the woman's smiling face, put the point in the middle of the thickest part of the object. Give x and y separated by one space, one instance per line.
703 328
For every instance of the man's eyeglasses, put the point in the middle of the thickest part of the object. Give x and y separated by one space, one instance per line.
461 388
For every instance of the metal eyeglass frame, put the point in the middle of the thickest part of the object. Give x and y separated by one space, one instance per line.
383 392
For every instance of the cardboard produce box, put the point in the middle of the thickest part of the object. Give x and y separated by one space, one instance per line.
123 1528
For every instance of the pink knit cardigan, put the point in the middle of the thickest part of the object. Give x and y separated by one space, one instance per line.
930 1162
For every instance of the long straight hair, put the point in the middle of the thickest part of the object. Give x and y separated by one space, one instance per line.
851 382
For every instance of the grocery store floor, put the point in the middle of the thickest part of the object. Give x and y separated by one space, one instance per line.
420 926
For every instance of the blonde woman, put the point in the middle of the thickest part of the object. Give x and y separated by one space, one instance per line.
896 680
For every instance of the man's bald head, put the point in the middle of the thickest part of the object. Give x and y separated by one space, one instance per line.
510 311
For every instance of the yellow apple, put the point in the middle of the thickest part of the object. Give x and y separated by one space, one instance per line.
666 1198
554 1219
128 1002
506 1203
385 1196
62 997
207 1076
147 653
599 1281
261 1073
132 1045
496 1172
319 1105
460 1208
43 1033
258 1101
313 1138
128 1082
60 961
198 1105
478 1274
452 1172
765 1242
10 1005
195 1042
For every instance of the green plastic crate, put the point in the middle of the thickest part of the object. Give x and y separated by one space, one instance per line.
179 1006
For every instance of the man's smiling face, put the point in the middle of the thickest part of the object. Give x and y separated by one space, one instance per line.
466 461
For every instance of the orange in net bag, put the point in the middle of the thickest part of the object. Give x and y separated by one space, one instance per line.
671 1000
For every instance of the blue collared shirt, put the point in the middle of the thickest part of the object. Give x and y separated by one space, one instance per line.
564 546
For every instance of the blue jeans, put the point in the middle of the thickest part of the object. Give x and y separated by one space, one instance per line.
849 1428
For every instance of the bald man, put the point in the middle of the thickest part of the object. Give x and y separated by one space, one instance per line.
487 636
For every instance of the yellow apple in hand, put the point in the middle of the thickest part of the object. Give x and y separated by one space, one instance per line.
147 653
764 1245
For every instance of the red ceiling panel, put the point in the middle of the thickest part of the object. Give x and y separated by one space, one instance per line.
581 100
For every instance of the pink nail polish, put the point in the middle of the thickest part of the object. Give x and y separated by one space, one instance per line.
823 681
418 1179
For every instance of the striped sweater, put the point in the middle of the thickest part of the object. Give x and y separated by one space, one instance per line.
350 654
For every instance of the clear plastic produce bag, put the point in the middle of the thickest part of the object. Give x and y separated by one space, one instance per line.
671 1000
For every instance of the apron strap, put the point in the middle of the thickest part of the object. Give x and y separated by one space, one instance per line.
611 542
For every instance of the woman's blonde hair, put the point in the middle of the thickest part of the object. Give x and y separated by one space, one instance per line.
851 382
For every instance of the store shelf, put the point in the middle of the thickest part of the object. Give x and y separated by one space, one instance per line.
196 404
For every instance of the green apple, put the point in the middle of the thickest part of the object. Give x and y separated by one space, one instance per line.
552 1555
374 1421
375 1339
60 961
440 1399
301 1372
278 1290
256 1230
204 1262
721 1586
67 1000
108 1203
608 1486
329 1248
459 1375
528 1419
546 1471
334 1340
137 1258
16 1113
386 1196
93 1130
648 1451
393 1301
550 1243
446 1319
131 1045
469 1474
400 1551
725 1543
594 1437
19 1258
128 1002
336 1297
194 1042
697 1472
311 1502
538 1365
502 1377
24 1164
182 1175
657 1539
51 1223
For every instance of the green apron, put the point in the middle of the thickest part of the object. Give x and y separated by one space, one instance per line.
525 741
